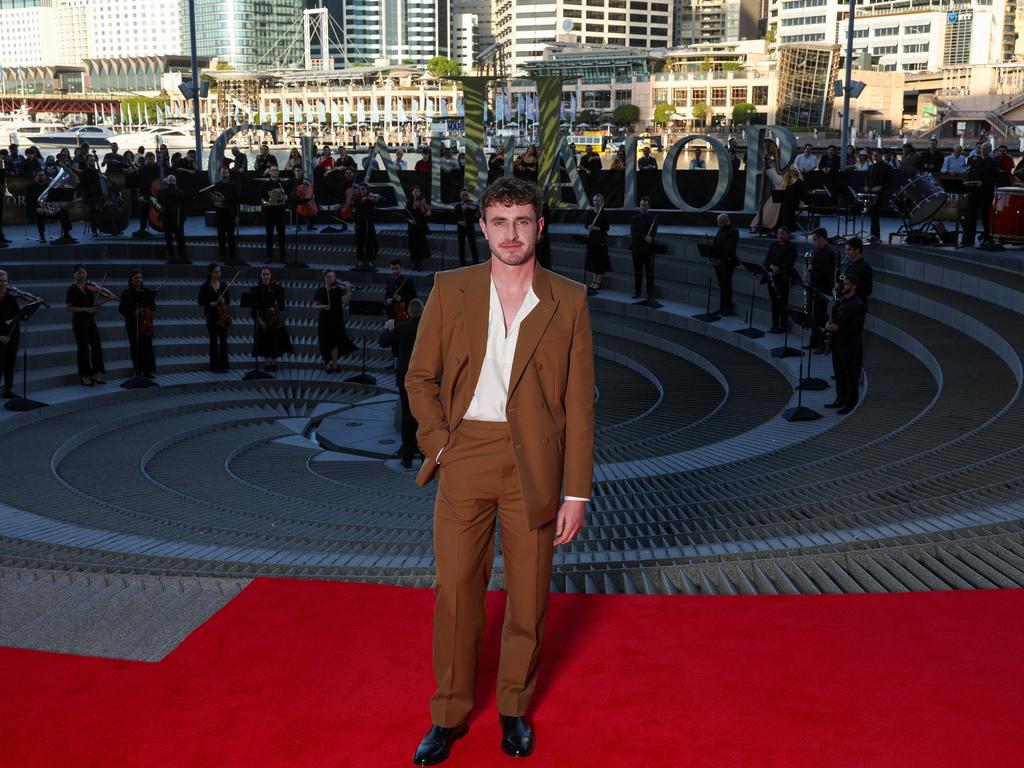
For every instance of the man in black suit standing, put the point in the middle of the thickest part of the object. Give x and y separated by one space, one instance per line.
821 274
467 214
642 229
725 262
401 337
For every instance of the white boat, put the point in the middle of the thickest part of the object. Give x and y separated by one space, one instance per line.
175 138
97 136
19 128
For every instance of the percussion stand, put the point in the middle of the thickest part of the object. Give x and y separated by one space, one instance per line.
956 187
861 210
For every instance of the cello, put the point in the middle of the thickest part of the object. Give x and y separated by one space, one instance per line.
156 219
302 196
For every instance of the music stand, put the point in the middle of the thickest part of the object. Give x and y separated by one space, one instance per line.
709 252
650 301
806 322
800 412
296 264
758 271
248 302
363 377
785 350
23 403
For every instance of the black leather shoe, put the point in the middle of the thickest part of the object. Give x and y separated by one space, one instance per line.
437 744
516 736
834 404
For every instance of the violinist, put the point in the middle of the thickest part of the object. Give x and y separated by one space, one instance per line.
215 299
271 339
273 202
84 297
10 333
416 214
365 205
302 200
347 192
42 211
137 306
399 291
225 199
173 206
330 299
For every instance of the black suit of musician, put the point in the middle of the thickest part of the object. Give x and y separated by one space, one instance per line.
225 212
847 329
779 262
10 335
643 229
724 244
855 265
982 178
151 171
821 274
212 295
401 337
467 214
364 206
36 213
134 299
878 178
276 192
173 211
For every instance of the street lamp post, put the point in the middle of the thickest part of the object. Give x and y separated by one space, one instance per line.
846 82
195 84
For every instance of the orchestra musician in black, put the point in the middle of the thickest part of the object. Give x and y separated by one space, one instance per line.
271 339
399 291
365 205
330 300
725 262
855 265
149 172
846 329
83 298
401 337
226 199
416 214
274 201
779 263
137 307
10 331
597 261
643 228
41 212
821 274
983 175
877 180
467 214
4 242
173 205
215 299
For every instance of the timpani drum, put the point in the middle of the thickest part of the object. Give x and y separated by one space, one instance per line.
1007 221
919 199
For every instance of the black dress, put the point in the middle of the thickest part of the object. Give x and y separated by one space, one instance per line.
87 334
330 327
597 260
141 344
217 333
9 309
419 246
269 342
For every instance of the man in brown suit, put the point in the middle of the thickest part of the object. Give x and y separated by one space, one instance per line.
502 384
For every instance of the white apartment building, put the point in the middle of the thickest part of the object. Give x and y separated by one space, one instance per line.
396 32
903 35
523 28
465 42
27 34
132 28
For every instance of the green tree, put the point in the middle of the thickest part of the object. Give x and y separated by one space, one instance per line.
626 114
742 112
442 66
701 111
588 116
707 65
769 36
662 113
732 66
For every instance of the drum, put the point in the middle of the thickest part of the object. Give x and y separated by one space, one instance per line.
866 200
950 210
1007 222
918 199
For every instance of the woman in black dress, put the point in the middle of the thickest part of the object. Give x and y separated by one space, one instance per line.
330 298
137 307
416 213
271 340
215 298
84 297
597 260
10 334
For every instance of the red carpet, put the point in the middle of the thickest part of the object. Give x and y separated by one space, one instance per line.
312 674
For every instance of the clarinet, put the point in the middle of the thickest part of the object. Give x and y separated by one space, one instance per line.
651 228
833 316
808 299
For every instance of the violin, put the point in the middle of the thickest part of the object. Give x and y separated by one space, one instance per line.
223 315
92 287
275 318
303 197
146 320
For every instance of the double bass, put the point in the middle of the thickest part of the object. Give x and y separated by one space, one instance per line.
156 219
305 204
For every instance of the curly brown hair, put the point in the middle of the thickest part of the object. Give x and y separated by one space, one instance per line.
509 191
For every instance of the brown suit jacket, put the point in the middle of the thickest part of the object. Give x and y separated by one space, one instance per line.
550 409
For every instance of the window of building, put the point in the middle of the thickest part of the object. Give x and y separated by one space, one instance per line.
571 13
637 6
958 40
860 33
638 42
759 95
791 4
812 38
915 48
887 31
918 29
800 21
662 7
718 97
738 94
595 40
616 17
616 29
659 32
595 14
616 41
919 66
659 19
883 50
638 30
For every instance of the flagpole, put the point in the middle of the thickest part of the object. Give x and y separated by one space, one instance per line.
195 84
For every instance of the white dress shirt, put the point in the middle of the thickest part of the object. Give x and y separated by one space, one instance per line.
490 397
806 163
954 164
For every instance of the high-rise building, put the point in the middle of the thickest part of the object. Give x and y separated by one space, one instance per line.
388 32
471 31
26 33
715 21
522 29
904 35
248 34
